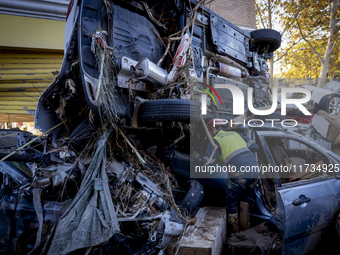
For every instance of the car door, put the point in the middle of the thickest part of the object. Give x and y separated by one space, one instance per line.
304 207
10 178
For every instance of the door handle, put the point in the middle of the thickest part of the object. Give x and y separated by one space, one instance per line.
302 199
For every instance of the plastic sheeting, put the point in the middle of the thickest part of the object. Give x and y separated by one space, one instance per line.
90 220
39 211
180 57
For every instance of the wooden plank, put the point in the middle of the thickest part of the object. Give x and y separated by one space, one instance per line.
206 237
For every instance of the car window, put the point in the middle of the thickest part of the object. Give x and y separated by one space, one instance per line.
22 167
297 160
267 179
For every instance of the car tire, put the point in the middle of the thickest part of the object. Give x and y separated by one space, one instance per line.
330 103
265 37
169 110
193 197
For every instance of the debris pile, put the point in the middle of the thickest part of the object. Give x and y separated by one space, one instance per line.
113 161
104 204
257 240
327 125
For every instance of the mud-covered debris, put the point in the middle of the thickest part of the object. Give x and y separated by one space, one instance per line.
256 240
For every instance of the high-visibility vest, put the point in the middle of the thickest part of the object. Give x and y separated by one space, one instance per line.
231 144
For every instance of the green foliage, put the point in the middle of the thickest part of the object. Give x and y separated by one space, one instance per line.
296 57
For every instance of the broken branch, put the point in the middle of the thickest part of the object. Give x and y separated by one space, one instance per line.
309 43
156 34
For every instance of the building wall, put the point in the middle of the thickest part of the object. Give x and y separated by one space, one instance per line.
27 32
31 53
241 13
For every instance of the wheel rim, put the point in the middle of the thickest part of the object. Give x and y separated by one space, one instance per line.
334 105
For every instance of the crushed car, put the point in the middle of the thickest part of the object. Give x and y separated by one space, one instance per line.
19 220
46 188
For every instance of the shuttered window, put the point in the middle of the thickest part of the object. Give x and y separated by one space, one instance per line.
23 77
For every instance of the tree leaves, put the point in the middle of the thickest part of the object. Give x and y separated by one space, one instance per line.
296 57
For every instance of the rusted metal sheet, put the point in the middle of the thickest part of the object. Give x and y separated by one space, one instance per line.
23 77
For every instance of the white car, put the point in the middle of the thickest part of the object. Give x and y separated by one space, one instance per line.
322 99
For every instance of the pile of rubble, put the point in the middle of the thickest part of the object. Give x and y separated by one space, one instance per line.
99 180
105 193
100 201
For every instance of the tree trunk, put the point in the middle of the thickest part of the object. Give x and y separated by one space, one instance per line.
270 14
330 45
330 74
271 61
323 74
